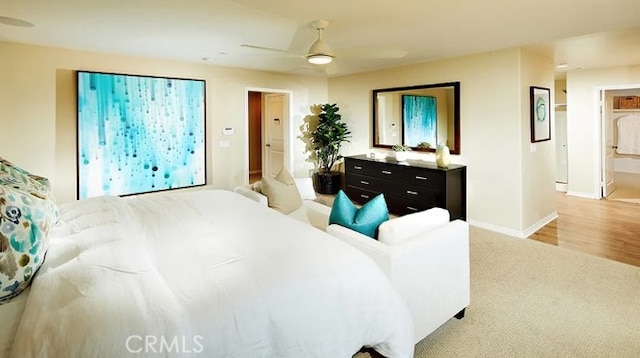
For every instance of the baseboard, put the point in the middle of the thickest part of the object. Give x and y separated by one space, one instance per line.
540 224
563 187
583 195
520 234
496 228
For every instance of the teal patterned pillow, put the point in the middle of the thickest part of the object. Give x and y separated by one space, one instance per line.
11 174
27 215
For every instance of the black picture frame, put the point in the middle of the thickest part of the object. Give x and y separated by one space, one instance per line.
139 134
540 109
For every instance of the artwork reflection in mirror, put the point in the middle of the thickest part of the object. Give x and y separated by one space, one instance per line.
417 116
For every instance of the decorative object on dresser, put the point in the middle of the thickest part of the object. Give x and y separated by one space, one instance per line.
400 152
408 187
442 156
324 139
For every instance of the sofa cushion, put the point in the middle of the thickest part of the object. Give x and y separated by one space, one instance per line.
281 192
364 220
403 227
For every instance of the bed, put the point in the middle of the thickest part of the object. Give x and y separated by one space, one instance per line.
203 273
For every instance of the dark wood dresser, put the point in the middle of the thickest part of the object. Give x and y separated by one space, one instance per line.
407 187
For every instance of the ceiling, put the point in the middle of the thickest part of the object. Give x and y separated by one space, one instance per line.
581 33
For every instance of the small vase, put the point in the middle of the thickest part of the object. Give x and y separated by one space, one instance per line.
442 156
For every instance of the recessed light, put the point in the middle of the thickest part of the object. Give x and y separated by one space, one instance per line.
208 59
12 21
562 66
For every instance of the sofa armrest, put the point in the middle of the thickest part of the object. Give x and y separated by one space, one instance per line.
433 267
253 195
317 213
376 250
403 227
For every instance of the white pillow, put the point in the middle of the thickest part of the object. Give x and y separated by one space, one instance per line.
281 192
305 188
403 227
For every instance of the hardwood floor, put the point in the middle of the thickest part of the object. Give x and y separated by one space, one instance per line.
605 228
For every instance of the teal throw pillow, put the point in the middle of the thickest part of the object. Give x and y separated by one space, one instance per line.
364 220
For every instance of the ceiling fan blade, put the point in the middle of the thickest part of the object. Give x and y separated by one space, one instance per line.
270 49
374 53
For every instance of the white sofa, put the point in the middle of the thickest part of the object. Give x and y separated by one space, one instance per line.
425 256
311 212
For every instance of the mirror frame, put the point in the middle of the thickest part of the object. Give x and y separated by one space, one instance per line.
455 149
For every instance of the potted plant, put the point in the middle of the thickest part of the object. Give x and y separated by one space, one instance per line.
424 145
326 140
400 152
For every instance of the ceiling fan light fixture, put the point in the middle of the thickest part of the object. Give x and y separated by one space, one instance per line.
319 59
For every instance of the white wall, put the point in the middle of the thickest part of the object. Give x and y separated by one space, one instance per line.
37 102
583 127
494 129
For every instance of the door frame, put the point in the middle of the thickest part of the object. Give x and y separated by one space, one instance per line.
288 128
600 92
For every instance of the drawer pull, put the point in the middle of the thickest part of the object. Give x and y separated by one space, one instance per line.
364 182
386 172
412 208
364 196
356 167
412 192
420 178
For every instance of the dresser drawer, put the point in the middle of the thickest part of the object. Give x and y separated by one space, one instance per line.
361 167
368 183
403 207
359 195
416 193
372 168
417 176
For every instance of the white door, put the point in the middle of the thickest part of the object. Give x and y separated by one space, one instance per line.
273 125
561 147
606 109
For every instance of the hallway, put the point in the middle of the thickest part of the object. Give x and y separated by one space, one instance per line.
605 228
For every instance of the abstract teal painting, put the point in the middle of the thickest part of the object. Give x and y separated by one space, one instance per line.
139 134
419 120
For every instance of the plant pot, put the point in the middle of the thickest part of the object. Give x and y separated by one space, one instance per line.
327 183
401 156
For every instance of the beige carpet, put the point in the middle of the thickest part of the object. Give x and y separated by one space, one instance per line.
530 299
627 188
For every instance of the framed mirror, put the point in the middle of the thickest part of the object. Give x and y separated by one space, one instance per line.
420 116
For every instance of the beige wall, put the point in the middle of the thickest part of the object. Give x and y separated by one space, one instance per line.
539 159
583 125
494 128
37 90
37 102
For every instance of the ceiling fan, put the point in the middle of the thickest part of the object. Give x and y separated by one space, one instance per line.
320 53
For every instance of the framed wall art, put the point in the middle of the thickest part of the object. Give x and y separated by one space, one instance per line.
540 99
419 119
139 134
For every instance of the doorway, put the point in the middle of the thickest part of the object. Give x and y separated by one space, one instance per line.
268 133
620 171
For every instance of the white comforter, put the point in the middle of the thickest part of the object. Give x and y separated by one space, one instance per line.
204 274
